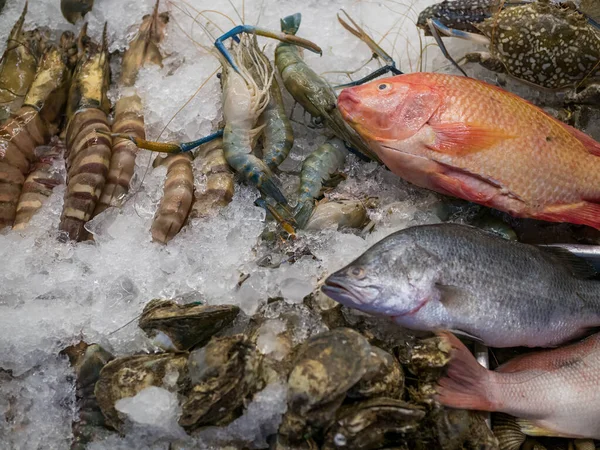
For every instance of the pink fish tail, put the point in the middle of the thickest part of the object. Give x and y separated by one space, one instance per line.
465 385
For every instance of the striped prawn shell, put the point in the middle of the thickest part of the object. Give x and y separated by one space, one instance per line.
88 152
177 198
18 138
88 159
32 125
129 119
18 65
38 186
219 180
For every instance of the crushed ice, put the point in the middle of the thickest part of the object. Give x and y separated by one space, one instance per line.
55 294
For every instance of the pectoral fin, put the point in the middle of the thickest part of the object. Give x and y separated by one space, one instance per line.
460 139
468 336
451 295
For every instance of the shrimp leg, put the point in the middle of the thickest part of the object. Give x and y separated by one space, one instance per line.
283 37
164 147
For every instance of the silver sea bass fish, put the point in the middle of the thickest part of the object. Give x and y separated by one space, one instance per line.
460 278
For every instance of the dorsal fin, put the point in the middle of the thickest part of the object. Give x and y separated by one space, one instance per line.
590 144
579 267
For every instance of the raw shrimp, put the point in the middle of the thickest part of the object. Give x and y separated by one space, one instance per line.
18 66
129 116
177 198
317 169
33 124
88 152
219 180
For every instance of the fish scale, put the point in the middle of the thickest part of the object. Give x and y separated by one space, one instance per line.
464 137
457 277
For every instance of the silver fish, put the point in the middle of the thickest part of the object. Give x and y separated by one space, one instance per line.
460 278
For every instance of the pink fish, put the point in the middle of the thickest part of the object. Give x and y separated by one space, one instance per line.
552 392
466 138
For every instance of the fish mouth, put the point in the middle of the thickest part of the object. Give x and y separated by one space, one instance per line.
340 293
347 100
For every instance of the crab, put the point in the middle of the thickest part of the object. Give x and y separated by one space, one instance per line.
549 46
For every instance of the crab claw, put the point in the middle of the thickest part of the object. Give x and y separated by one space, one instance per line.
375 48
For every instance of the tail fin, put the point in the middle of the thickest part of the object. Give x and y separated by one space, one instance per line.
465 384
303 213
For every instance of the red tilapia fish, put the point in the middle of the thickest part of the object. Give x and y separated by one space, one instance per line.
465 138
551 392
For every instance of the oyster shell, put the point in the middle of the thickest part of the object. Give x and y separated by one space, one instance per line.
384 376
125 377
373 424
87 361
185 326
74 10
326 367
220 377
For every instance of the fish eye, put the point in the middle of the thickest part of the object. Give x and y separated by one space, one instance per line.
383 86
358 272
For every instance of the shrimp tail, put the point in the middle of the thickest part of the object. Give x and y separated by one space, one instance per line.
219 180
303 212
177 199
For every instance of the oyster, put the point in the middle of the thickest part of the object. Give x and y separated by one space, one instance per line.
373 424
278 327
220 377
73 10
182 327
384 376
426 358
457 429
280 442
326 367
125 377
88 361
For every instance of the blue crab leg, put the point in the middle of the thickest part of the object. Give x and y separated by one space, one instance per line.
435 26
165 147
283 37
375 74
375 48
439 26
